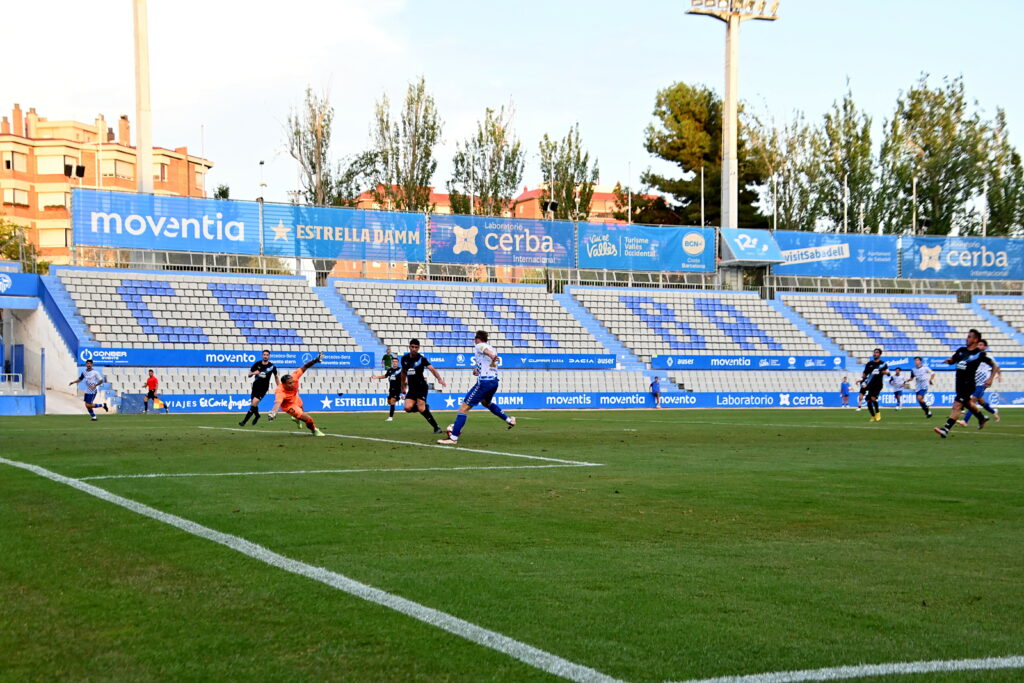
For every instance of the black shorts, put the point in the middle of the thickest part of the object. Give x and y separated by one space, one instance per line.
394 390
417 392
964 390
150 394
874 390
259 392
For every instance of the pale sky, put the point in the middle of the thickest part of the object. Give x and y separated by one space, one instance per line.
225 74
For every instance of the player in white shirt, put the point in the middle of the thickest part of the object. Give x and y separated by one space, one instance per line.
485 368
983 379
92 380
897 380
923 377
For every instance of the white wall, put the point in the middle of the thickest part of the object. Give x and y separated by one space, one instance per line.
36 331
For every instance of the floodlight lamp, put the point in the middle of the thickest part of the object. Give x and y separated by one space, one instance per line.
775 8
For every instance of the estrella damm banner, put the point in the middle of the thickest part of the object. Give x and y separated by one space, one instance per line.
335 233
618 246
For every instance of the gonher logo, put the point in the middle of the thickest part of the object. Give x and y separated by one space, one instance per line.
85 354
465 240
5 282
930 258
693 243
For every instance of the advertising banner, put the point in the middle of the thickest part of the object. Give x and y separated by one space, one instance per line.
335 233
818 254
501 241
691 362
963 258
440 401
749 246
618 246
143 221
938 363
19 284
227 358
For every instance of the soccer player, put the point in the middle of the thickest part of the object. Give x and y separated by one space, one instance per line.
414 384
393 375
898 381
485 368
966 359
262 371
656 391
871 383
924 378
287 397
844 393
860 393
151 384
93 379
983 379
386 360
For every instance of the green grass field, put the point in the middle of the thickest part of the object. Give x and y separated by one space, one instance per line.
698 544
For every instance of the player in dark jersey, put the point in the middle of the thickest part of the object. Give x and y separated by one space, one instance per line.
872 380
394 378
262 370
414 383
967 359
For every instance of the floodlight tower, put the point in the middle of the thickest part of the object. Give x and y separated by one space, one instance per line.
143 113
732 12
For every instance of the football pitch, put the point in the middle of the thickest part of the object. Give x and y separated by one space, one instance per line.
615 545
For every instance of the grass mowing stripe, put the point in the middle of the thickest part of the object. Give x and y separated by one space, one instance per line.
459 449
160 475
535 657
830 425
865 670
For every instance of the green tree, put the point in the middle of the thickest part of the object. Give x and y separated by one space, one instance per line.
15 246
848 177
688 132
488 167
222 192
403 148
647 208
933 138
354 172
309 143
790 194
1004 182
569 176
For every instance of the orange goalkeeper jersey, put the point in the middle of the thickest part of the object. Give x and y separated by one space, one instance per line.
285 398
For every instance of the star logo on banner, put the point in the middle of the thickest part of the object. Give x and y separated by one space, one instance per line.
280 231
465 240
326 403
449 401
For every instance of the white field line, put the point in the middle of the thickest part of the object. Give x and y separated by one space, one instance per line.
545 661
458 449
158 475
865 670
991 430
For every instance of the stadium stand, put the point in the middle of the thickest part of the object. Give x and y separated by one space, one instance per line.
1009 309
202 311
828 382
659 322
915 325
444 317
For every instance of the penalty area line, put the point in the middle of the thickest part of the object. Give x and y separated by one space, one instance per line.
532 656
865 670
458 449
159 475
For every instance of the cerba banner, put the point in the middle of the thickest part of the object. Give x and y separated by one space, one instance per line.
617 246
501 241
829 254
963 258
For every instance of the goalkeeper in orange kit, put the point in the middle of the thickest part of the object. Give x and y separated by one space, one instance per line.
287 398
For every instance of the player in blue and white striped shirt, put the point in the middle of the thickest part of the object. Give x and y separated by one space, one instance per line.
92 380
485 367
983 378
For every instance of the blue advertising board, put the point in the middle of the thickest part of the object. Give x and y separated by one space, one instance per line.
19 284
617 246
695 362
963 258
234 358
501 241
819 254
222 403
938 363
749 246
336 233
143 221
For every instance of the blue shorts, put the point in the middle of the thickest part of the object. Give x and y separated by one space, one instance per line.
90 398
921 393
897 394
979 391
483 390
